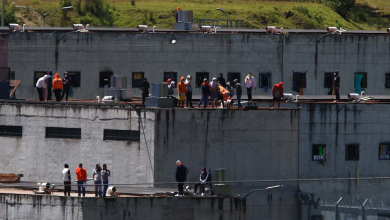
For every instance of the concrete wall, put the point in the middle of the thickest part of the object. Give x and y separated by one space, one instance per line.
251 145
124 53
42 159
363 124
15 206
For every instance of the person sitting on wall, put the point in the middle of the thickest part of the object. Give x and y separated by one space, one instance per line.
205 177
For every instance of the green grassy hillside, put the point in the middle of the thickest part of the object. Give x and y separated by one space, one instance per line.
366 15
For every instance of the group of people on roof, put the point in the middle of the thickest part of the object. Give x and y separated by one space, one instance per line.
217 91
46 84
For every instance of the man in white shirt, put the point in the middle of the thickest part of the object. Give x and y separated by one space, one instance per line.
66 178
250 83
41 85
97 178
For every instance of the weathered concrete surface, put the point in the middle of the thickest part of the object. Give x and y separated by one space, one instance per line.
251 145
364 124
124 53
136 208
42 159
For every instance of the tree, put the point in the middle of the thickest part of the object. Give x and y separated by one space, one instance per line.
342 7
9 14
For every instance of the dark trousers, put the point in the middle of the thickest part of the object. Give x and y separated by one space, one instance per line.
201 186
48 94
239 101
144 95
180 187
79 186
105 187
57 93
249 92
98 188
40 94
67 187
65 92
337 93
189 98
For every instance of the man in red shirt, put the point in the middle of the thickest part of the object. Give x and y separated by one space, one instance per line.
277 93
81 174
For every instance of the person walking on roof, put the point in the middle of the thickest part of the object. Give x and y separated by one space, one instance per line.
97 178
181 177
145 89
40 86
67 179
250 83
182 91
57 87
205 93
81 175
277 93
189 91
238 93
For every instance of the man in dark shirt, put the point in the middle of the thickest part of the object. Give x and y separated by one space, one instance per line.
181 177
67 82
206 91
238 93
145 89
49 83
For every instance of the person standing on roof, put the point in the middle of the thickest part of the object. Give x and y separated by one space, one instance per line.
204 178
214 90
97 178
221 81
182 91
189 90
181 177
81 175
145 89
336 85
49 84
171 91
206 90
277 93
57 87
238 93
67 82
67 179
105 174
40 86
250 83
171 84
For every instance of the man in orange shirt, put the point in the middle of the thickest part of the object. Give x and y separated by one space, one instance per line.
182 91
81 174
